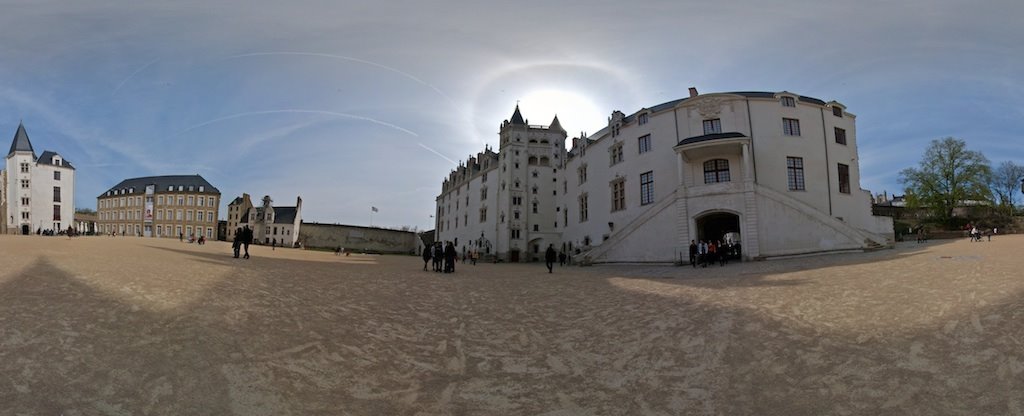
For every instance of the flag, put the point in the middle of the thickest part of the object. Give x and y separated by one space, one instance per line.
374 209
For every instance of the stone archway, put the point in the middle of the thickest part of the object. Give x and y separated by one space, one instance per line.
717 226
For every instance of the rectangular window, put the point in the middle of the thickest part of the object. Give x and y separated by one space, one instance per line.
836 111
642 119
24 215
210 201
191 200
209 232
56 175
646 188
582 171
713 126
483 194
618 195
840 135
24 201
201 201
483 214
790 126
188 215
159 214
645 143
24 168
199 216
56 212
583 208
795 173
181 200
209 216
788 102
159 230
178 215
160 200
615 152
844 178
56 194
24 184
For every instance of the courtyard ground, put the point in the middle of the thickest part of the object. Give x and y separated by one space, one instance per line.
130 326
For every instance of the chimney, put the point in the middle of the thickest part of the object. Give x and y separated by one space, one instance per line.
693 92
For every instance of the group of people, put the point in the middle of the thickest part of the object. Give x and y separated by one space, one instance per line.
976 233
442 256
709 252
243 237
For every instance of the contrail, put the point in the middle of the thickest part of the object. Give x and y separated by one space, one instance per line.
133 75
293 111
437 153
349 58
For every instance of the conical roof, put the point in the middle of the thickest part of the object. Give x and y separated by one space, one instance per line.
517 118
21 142
555 125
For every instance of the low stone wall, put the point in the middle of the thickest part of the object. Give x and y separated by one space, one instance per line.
357 239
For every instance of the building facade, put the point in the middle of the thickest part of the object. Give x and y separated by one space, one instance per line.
777 173
36 193
176 206
271 225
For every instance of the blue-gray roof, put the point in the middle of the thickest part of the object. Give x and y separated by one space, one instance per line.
162 183
21 142
284 215
47 159
749 94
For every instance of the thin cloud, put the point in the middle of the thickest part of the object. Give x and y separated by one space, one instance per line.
121 84
297 111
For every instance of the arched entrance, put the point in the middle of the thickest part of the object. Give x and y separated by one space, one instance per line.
718 226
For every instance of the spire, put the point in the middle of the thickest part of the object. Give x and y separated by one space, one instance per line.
21 142
555 125
517 118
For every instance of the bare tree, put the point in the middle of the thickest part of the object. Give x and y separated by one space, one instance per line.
1006 178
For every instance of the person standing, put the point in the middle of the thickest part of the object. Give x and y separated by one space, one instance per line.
449 257
561 258
438 256
426 256
550 257
693 253
246 239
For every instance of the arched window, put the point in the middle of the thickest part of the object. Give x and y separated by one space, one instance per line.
716 170
532 160
544 161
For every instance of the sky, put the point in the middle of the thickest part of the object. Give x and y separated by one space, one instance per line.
360 104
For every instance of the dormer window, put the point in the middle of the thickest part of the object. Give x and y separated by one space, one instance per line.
788 102
181 188
201 188
641 119
837 111
170 188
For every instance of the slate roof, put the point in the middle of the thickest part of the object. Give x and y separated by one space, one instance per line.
708 137
285 215
517 117
47 159
21 142
237 200
749 94
162 182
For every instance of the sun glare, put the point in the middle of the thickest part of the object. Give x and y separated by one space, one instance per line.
575 112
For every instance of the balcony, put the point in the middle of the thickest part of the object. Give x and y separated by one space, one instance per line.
714 144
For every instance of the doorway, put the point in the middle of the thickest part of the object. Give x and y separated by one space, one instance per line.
718 226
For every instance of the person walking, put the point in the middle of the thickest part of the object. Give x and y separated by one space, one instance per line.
426 256
438 256
246 239
236 244
273 245
549 258
561 258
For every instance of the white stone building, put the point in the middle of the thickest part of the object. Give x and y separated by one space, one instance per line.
38 193
776 172
278 225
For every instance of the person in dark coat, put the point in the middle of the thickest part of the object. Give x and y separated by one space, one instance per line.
427 254
549 257
236 244
246 239
449 258
693 253
561 258
438 256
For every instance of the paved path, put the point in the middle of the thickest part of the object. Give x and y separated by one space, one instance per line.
129 326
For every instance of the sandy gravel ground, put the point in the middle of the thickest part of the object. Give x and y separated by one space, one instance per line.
128 326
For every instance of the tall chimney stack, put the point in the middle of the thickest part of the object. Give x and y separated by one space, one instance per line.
693 92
